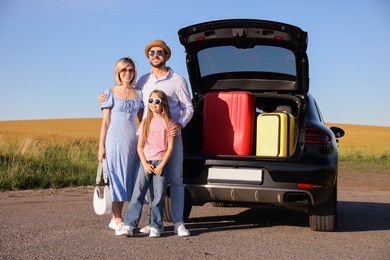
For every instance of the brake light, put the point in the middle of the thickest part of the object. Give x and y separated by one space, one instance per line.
316 136
310 186
200 39
278 38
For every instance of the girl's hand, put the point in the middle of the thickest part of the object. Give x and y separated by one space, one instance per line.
158 170
149 169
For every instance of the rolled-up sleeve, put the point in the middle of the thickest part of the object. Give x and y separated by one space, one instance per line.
187 109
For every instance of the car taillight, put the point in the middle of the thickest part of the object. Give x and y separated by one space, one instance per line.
316 136
311 186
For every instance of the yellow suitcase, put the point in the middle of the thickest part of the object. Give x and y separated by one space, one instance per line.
275 134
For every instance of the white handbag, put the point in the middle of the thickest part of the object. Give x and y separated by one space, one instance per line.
102 205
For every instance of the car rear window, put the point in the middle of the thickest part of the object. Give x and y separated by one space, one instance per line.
228 59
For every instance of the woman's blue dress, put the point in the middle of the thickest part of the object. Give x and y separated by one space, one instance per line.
121 145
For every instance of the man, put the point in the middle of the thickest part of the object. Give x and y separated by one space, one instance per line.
175 87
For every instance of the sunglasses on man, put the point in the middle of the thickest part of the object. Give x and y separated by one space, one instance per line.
158 53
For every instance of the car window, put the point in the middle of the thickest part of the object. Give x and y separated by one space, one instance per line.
225 59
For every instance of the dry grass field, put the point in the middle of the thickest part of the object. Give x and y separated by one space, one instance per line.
48 153
63 152
364 139
374 140
54 130
364 148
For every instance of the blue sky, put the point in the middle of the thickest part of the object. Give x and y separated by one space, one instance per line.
56 57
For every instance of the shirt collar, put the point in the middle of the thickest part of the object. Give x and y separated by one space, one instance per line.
167 76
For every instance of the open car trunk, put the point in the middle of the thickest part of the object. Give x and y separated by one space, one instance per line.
201 136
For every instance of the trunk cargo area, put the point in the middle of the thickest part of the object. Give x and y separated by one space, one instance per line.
241 123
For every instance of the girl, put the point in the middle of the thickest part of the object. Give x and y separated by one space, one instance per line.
155 146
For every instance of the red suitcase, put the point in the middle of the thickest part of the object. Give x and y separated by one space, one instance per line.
228 123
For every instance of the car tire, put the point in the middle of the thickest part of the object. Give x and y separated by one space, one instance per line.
324 217
168 207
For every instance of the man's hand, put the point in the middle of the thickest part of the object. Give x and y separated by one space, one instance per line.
175 129
102 97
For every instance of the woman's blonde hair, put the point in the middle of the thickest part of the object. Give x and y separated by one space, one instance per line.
165 113
120 65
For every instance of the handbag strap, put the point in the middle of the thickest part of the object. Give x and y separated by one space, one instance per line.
102 167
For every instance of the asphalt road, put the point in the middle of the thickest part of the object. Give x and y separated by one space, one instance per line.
61 224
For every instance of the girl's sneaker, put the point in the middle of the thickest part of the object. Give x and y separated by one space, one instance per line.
124 230
146 229
154 232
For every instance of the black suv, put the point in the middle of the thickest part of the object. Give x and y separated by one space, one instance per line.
257 136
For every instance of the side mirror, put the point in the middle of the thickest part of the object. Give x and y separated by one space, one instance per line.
338 132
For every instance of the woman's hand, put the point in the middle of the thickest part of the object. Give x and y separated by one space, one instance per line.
101 154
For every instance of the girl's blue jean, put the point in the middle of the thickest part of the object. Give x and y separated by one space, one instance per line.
174 169
159 184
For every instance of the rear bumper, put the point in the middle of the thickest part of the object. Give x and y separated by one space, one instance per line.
235 194
279 184
201 194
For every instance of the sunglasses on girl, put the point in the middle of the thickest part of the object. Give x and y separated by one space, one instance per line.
158 53
157 101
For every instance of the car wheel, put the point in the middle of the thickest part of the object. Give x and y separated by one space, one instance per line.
168 207
324 217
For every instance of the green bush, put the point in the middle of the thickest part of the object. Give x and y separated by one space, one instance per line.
361 156
33 164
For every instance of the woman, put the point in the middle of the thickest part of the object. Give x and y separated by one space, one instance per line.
118 142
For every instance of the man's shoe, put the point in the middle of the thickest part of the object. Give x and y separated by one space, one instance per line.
181 230
124 230
112 224
154 232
